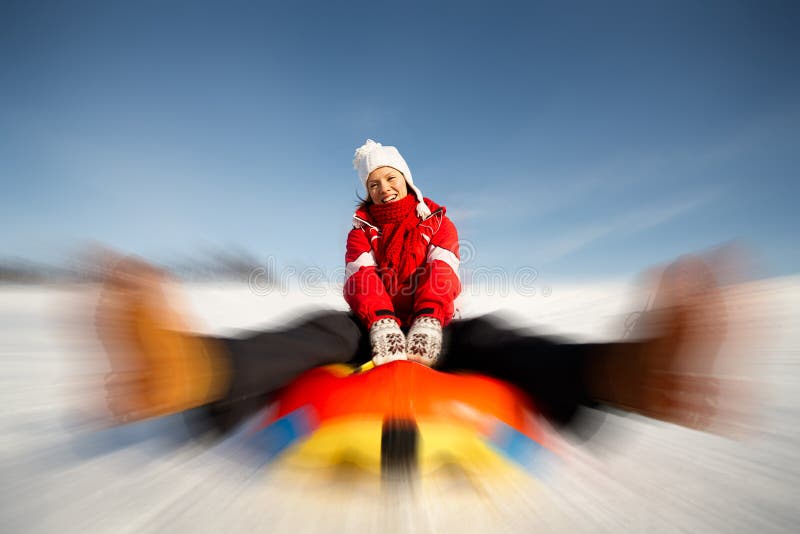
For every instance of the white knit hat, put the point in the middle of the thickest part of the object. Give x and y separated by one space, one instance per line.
372 155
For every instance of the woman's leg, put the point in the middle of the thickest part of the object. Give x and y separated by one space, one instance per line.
159 367
266 361
551 371
667 373
263 363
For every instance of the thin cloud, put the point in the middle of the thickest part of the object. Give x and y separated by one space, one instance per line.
529 197
460 215
630 223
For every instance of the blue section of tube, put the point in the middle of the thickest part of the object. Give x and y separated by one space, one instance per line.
269 442
520 449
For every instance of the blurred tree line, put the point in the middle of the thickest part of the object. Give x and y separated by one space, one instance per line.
217 265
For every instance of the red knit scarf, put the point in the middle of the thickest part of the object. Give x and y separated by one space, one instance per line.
399 254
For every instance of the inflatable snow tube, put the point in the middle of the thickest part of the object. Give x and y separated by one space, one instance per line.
403 419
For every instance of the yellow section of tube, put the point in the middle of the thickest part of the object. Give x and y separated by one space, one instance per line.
358 442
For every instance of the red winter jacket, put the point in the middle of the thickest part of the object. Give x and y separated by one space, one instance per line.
430 293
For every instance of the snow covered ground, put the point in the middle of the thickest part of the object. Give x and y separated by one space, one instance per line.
59 474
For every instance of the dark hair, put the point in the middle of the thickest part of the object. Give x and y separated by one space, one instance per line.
362 203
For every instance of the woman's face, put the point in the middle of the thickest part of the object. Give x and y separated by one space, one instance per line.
386 184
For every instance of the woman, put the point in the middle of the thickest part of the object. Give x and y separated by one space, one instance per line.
402 261
401 283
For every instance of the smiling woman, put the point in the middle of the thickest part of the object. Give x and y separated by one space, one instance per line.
402 260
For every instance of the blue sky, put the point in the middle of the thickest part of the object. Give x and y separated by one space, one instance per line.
585 139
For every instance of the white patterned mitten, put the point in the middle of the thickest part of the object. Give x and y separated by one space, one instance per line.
388 341
424 342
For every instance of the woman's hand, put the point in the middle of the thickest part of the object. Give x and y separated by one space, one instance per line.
388 341
424 343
